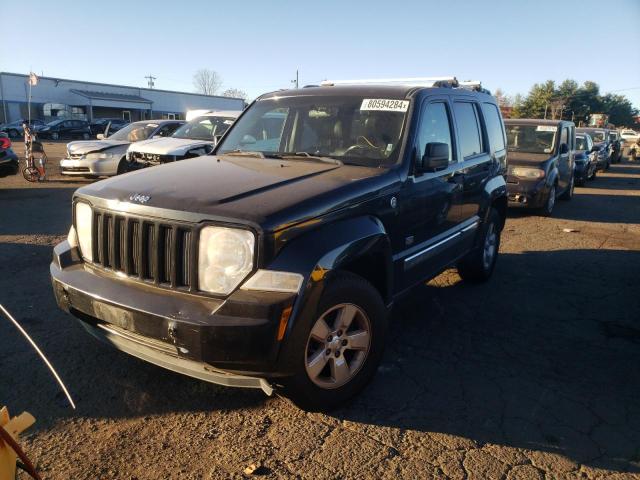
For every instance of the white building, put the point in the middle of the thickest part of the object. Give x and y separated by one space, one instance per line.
55 98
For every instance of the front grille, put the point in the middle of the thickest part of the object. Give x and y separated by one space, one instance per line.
146 249
75 169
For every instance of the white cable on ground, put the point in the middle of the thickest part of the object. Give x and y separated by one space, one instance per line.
33 344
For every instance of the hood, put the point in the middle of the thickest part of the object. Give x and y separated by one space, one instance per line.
167 145
89 146
527 159
268 192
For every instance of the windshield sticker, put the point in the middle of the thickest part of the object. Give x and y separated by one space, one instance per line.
384 105
152 125
228 122
546 128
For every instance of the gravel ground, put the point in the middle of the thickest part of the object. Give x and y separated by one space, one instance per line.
534 375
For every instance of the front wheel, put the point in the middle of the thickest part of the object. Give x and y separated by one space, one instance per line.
568 193
478 265
342 345
550 202
55 136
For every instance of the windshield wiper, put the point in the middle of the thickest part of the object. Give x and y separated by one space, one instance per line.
311 157
239 152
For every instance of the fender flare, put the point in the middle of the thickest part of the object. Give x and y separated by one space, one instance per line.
316 255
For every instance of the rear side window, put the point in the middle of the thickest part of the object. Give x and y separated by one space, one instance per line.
494 126
434 127
468 129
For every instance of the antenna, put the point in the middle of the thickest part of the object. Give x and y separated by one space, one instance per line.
150 79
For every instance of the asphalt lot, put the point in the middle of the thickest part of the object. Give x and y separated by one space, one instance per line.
534 375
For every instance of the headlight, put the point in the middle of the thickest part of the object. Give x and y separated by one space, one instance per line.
97 156
84 220
529 173
225 258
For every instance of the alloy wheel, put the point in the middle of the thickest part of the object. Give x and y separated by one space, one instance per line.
490 244
338 345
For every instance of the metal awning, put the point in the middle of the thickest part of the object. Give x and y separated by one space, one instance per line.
118 100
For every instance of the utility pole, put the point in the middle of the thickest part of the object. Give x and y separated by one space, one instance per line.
150 79
296 81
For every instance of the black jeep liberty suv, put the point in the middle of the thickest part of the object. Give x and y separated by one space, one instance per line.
274 263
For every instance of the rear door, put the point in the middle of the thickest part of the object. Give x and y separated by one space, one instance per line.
476 158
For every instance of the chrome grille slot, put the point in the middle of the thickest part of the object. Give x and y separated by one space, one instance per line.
144 249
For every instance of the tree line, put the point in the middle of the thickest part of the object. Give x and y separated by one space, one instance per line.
569 101
209 82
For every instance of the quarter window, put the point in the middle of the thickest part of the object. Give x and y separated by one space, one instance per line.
468 129
435 127
494 126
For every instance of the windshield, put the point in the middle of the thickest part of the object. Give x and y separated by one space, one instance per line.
597 135
531 138
204 128
353 129
581 142
134 132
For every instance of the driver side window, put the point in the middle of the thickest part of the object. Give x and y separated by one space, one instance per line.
435 126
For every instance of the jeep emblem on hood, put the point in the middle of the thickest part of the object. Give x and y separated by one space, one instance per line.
140 198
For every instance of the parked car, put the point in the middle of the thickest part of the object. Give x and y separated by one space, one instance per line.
629 135
15 130
106 156
275 264
616 145
99 125
9 164
193 139
586 159
600 137
64 129
541 162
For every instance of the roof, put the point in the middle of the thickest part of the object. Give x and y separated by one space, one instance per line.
119 86
116 97
373 91
158 121
534 121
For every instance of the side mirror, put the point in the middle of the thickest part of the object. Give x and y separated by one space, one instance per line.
564 149
100 136
436 157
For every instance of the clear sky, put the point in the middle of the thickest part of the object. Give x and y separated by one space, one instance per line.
258 45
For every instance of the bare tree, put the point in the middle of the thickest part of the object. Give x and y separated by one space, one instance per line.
235 93
502 98
206 81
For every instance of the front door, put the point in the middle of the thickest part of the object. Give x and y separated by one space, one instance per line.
428 203
565 161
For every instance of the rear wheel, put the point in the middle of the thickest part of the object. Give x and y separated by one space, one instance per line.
479 264
31 174
342 346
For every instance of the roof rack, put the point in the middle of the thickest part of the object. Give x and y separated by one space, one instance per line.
475 85
450 82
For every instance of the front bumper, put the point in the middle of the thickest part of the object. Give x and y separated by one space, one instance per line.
102 167
526 193
230 341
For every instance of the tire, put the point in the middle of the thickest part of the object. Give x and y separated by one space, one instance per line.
568 193
607 165
549 203
55 136
321 363
13 133
31 174
122 167
594 174
479 264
